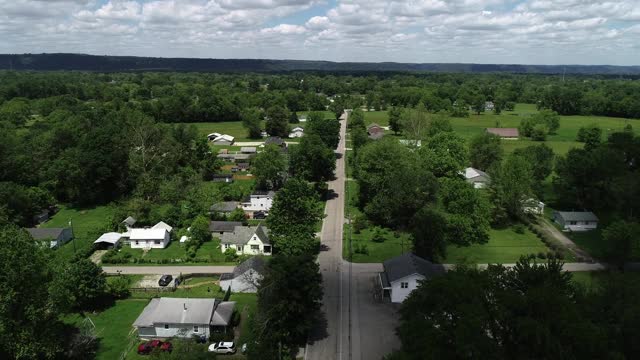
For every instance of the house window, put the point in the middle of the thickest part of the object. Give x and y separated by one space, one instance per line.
239 247
573 222
157 242
267 249
137 242
404 285
166 326
195 328
255 247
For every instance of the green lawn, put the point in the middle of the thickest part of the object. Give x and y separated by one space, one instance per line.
589 241
560 142
88 225
233 128
505 246
113 326
175 254
594 279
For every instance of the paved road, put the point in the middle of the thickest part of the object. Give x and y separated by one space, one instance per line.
173 270
330 338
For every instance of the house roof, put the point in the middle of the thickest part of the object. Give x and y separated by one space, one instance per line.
376 135
177 311
241 156
577 215
222 314
225 206
147 234
218 226
45 233
297 128
248 149
213 135
129 221
222 176
110 237
504 132
471 173
243 165
224 137
163 225
255 263
269 193
407 264
242 234
276 140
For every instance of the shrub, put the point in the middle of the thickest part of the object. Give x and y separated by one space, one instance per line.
559 255
550 255
377 236
518 228
119 287
230 255
542 255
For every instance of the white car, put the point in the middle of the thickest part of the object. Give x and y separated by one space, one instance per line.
223 348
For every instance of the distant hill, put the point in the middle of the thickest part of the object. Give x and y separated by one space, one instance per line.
81 62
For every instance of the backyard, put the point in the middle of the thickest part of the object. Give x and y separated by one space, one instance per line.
87 226
173 254
113 326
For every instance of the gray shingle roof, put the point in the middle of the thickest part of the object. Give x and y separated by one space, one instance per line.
242 234
226 206
577 215
219 226
255 263
223 313
408 264
129 221
45 233
172 311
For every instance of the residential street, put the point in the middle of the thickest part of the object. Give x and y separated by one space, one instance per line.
173 270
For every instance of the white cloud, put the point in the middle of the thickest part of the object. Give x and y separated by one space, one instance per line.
488 31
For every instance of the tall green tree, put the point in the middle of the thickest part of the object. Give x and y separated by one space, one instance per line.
327 129
277 121
395 119
622 240
312 160
296 207
591 136
29 326
444 154
78 285
269 168
287 305
511 183
485 150
252 121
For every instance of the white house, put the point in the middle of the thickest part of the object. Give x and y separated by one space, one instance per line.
259 201
213 135
163 225
576 220
149 238
402 273
296 132
183 317
247 240
478 178
245 277
223 139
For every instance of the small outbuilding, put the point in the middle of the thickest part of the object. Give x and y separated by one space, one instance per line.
296 132
223 178
218 228
55 236
223 139
224 208
576 220
245 277
478 178
108 240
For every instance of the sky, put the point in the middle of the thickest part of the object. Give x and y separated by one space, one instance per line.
416 31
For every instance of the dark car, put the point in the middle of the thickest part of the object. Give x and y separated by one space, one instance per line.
259 215
165 280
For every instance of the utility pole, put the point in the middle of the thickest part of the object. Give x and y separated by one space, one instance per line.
73 236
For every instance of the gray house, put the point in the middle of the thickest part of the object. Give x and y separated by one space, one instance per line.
576 220
402 273
55 236
223 208
183 317
245 277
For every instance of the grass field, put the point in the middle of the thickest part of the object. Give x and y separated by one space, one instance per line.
209 251
560 142
505 246
233 128
113 326
88 225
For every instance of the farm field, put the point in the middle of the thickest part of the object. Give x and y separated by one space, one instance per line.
87 226
561 142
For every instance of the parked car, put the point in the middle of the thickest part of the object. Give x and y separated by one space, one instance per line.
259 215
147 348
165 280
223 348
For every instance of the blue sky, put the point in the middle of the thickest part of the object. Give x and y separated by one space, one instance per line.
480 31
